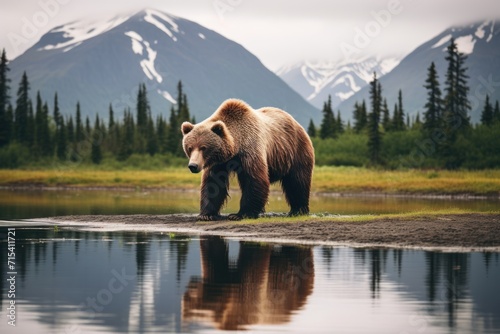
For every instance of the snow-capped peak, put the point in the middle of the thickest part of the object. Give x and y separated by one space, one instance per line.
315 80
76 32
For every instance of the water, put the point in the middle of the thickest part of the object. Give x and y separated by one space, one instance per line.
72 281
36 204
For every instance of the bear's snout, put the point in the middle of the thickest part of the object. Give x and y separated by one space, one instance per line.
194 168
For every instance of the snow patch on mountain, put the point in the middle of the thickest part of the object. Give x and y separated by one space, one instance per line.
465 44
442 41
77 32
151 17
167 96
201 36
315 80
147 64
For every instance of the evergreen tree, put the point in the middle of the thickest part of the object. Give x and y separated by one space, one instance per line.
21 114
152 144
111 121
496 113
42 132
174 132
386 118
374 135
456 104
339 125
56 118
30 126
487 114
70 131
126 137
311 129
408 121
5 124
79 132
61 139
433 106
9 123
327 128
398 121
360 117
96 154
142 110
161 133
88 131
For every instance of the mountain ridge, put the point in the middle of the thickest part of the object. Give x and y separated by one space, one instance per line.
105 62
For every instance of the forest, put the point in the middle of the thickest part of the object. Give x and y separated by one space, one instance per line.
37 134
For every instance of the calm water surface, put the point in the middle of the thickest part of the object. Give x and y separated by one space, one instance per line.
37 204
72 281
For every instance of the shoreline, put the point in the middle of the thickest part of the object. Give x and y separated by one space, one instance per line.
467 232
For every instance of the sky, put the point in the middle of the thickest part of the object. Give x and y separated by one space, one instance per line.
278 32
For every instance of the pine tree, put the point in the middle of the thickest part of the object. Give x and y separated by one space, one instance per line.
374 135
496 113
45 140
96 154
111 121
311 129
70 131
126 137
79 132
61 139
161 133
9 123
327 128
487 114
88 131
339 125
30 126
5 124
386 118
456 104
398 121
174 133
21 113
38 123
360 117
152 143
433 106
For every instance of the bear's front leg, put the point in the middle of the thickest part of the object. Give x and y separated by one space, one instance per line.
214 192
254 185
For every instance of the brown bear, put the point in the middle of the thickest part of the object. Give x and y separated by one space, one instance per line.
261 146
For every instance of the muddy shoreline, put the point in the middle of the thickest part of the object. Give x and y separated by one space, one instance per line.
447 232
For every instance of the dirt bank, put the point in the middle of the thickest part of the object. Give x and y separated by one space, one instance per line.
480 232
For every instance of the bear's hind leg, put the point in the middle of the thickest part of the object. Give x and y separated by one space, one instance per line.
297 187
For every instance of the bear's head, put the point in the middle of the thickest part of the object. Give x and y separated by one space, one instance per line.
207 144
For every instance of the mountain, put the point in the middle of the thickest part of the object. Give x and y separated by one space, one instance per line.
104 62
314 81
479 41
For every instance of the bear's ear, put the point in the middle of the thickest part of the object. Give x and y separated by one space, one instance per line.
219 128
186 128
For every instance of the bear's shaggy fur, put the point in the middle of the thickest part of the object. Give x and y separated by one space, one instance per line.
261 146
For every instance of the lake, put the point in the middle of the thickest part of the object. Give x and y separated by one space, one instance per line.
71 280
35 204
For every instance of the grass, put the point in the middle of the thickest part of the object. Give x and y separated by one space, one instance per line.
363 218
325 179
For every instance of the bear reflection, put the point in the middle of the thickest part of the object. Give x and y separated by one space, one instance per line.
264 286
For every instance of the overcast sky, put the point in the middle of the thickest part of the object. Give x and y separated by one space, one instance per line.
278 32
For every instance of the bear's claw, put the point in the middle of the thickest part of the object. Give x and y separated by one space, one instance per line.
234 216
207 218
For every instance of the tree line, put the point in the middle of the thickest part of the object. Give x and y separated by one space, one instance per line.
443 138
45 133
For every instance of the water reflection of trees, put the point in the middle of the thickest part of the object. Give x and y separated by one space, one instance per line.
264 286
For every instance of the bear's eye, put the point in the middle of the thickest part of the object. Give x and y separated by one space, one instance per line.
203 148
190 149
